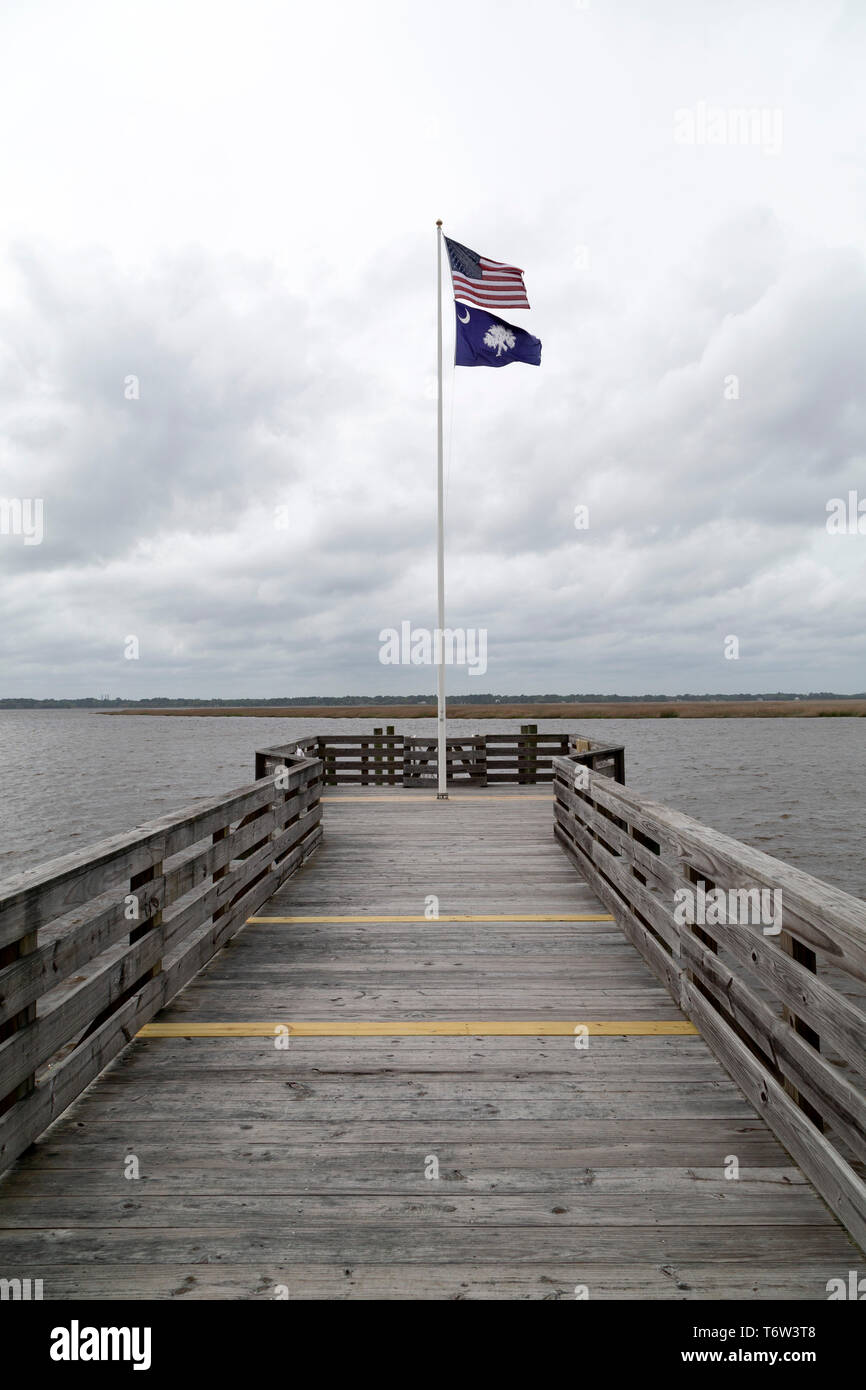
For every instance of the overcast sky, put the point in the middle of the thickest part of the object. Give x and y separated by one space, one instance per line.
234 203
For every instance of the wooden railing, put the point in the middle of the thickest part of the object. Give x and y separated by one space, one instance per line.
374 759
605 758
773 974
383 758
94 944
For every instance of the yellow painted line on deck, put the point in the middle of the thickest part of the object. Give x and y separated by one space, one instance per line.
466 917
431 1028
425 800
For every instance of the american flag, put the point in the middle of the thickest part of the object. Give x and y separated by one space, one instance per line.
489 284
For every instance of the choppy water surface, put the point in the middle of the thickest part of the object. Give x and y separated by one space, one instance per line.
792 787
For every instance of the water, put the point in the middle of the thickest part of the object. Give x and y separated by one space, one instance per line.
791 787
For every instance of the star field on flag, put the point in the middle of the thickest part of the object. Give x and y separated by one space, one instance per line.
489 284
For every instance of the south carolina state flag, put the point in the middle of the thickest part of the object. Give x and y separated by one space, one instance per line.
483 340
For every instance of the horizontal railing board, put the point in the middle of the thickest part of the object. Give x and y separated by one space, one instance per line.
503 754
360 776
357 761
35 897
842 938
430 762
837 1182
90 971
764 1012
649 863
411 760
21 1125
840 928
606 800
34 1044
561 740
819 1080
200 863
32 975
451 754
72 880
30 1116
660 961
221 893
542 776
657 912
824 1008
338 740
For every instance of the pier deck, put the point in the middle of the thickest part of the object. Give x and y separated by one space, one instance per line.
298 1165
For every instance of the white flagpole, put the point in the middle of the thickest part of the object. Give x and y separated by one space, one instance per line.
441 754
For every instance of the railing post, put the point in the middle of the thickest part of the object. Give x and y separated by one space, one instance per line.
377 757
807 958
24 946
135 883
152 920
109 910
407 755
322 753
220 873
481 760
529 734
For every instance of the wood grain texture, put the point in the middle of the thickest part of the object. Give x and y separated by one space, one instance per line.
308 1165
103 938
767 995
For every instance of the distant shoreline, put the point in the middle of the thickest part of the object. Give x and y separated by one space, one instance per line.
648 709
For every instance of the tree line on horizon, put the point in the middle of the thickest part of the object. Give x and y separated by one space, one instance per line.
288 701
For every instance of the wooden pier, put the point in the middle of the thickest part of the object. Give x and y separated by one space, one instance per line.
328 1037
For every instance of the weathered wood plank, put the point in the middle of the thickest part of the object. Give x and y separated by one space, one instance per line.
305 1162
827 1090
415 1242
840 1186
772 1003
733 1205
829 920
35 897
33 1044
129 989
471 1281
476 1169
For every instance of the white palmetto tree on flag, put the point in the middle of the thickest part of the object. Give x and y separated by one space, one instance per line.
499 337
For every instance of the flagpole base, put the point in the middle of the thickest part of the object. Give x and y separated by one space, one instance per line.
441 796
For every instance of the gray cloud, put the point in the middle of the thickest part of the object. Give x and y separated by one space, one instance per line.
265 507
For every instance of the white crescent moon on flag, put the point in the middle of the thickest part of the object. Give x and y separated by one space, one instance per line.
466 320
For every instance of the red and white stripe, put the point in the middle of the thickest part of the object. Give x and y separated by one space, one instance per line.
501 286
